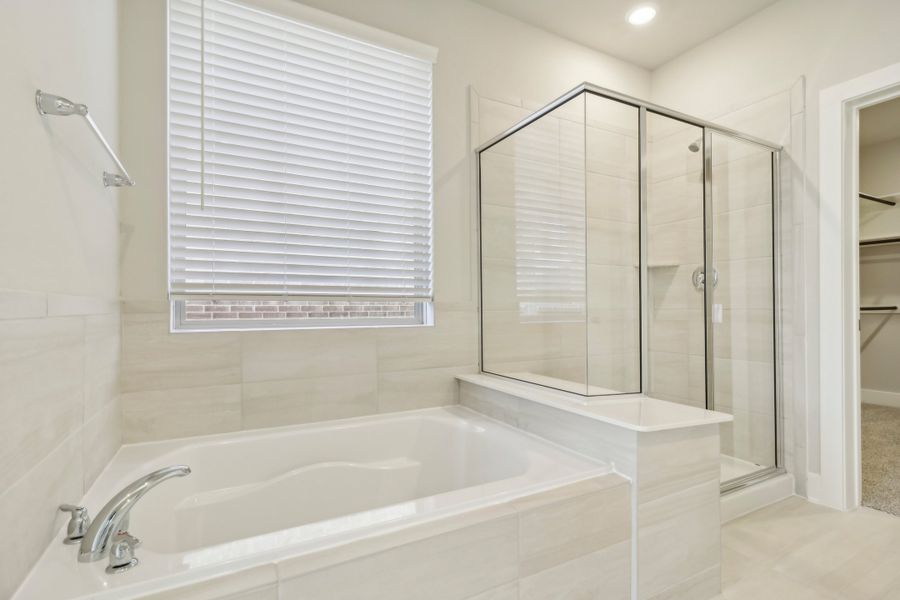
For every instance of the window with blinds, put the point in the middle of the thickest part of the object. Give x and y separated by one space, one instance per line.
299 166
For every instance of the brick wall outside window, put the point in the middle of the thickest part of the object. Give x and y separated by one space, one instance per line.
215 310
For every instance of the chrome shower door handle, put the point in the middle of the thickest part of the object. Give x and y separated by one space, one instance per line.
698 278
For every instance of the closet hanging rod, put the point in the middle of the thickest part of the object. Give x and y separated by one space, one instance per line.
877 199
889 240
51 104
874 308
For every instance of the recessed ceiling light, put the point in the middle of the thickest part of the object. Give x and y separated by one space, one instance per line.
641 15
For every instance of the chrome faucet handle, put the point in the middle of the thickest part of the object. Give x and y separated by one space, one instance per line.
79 521
121 552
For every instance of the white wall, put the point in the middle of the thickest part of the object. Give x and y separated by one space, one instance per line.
825 41
195 383
59 323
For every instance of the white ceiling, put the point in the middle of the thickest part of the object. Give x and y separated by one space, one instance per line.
601 24
879 123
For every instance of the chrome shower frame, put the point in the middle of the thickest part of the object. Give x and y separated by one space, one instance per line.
705 146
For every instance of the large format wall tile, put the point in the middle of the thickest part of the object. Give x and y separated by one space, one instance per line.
558 526
160 414
446 566
288 401
276 355
601 575
452 341
41 378
101 361
155 359
32 505
419 388
570 542
222 381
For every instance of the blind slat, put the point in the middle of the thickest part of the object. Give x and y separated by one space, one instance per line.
300 160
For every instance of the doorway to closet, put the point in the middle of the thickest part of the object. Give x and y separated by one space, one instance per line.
879 296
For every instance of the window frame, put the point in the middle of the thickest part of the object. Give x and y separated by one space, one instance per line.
424 308
424 317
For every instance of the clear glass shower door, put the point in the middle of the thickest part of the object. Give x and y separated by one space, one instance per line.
742 303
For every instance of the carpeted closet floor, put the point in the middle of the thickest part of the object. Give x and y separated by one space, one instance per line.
881 458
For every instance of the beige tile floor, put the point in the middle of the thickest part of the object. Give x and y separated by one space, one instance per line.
795 550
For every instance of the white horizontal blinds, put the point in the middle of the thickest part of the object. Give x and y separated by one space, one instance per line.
549 185
300 160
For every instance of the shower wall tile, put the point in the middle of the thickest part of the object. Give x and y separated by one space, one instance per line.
678 331
499 225
608 153
677 243
743 183
745 284
672 288
745 385
612 243
743 234
497 174
746 335
613 198
678 198
501 293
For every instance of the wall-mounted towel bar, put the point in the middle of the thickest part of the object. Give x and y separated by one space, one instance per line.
877 308
877 199
50 104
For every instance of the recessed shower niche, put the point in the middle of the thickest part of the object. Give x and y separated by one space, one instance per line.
627 248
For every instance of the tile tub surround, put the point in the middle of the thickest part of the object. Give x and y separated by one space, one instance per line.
525 549
674 469
59 396
549 521
183 384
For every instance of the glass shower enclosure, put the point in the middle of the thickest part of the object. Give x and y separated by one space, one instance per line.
627 248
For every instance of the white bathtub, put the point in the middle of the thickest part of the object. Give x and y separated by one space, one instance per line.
255 497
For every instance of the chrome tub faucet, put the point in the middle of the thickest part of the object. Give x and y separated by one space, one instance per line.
107 534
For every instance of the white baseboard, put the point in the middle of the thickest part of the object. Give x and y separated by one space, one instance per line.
744 501
881 398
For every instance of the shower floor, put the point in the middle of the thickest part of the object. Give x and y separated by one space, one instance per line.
733 467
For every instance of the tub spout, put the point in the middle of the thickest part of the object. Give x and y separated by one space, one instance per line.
112 519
